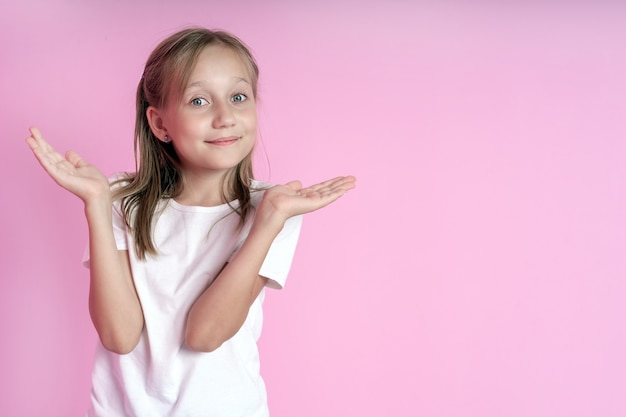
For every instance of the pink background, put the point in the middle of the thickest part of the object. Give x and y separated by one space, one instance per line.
477 270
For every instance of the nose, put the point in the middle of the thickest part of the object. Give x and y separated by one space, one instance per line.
223 115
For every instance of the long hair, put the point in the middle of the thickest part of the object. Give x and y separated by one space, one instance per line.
158 172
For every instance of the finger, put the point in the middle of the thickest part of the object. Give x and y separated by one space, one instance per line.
37 144
343 182
347 183
325 194
35 138
334 190
44 153
34 131
52 161
32 143
320 186
338 183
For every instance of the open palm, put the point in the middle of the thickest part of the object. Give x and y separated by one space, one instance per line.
70 171
291 199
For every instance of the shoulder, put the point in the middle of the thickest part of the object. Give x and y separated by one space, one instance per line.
119 183
256 185
120 179
257 189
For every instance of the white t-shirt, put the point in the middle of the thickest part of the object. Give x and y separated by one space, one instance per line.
161 377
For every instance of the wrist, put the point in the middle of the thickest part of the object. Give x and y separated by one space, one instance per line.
98 204
269 220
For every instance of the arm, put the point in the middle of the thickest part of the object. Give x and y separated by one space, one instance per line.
222 308
113 304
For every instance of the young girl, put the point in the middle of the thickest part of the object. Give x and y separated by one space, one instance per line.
181 251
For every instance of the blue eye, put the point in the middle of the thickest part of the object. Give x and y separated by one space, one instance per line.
238 98
198 101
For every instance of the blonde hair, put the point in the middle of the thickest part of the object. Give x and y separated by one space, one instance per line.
158 172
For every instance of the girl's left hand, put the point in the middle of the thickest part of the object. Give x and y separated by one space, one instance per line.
291 199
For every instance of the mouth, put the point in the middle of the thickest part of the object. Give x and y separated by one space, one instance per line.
225 141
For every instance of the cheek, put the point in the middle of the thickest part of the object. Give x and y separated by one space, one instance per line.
250 119
253 128
192 126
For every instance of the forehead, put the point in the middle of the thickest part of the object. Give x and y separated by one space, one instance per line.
220 61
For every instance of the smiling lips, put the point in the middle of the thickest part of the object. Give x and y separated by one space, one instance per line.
225 141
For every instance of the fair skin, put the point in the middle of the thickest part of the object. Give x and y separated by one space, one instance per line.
212 129
213 126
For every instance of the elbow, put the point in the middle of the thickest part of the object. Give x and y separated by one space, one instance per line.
198 343
120 350
206 339
121 346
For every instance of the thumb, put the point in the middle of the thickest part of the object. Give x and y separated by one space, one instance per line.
75 159
294 185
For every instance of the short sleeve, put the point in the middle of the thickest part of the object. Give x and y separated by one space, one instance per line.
280 255
119 232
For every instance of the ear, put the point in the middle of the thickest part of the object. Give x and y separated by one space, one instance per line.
155 120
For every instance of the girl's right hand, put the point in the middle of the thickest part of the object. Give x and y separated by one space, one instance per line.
70 171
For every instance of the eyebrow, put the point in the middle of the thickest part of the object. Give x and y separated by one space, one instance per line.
201 83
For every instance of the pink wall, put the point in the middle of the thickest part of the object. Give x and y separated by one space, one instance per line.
478 269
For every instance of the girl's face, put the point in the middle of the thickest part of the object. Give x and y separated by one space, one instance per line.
214 126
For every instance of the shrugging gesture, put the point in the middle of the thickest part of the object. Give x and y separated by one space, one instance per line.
178 289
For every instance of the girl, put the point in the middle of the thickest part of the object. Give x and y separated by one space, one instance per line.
180 251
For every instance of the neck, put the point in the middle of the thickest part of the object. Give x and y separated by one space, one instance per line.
202 189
